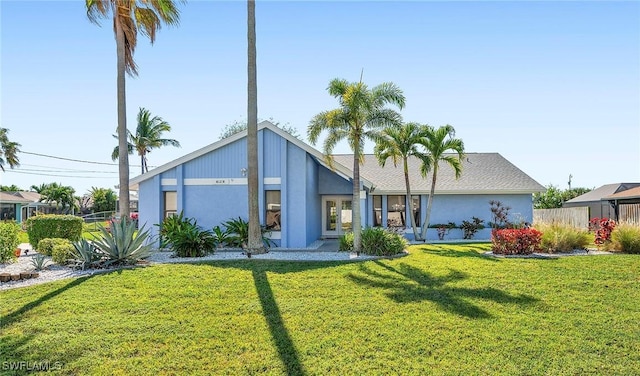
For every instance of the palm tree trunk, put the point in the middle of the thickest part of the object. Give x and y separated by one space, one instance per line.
411 209
425 224
356 221
255 244
143 164
123 158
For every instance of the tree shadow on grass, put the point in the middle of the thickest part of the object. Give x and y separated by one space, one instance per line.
470 250
409 284
286 348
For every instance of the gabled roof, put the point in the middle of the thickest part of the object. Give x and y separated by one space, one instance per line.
482 173
20 197
602 192
337 167
626 194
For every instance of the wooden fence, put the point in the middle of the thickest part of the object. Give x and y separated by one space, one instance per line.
576 217
629 213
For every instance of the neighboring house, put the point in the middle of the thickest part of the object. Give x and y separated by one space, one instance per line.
303 199
598 202
21 205
626 205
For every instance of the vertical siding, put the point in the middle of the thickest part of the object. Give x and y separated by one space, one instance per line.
149 205
225 162
272 153
169 174
212 205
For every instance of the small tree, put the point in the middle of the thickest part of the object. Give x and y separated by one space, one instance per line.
499 214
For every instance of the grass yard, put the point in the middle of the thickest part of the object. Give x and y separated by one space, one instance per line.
441 310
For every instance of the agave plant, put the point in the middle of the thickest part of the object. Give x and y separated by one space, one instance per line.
122 244
85 254
40 262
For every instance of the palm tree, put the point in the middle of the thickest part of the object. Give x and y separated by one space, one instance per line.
62 196
129 17
400 144
148 136
255 244
361 116
440 143
8 150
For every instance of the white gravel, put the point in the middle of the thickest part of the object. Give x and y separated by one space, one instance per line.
55 272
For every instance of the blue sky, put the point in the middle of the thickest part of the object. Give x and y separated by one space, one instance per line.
552 86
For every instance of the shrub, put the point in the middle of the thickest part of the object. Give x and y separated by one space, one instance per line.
40 262
62 252
237 230
171 226
443 229
220 236
626 238
54 226
85 254
602 228
45 246
562 238
515 241
499 214
8 240
469 229
122 244
345 242
376 241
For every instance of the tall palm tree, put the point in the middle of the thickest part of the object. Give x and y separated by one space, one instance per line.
148 136
8 150
441 145
361 116
129 17
255 244
400 144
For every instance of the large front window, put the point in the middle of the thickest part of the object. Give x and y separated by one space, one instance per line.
395 211
272 218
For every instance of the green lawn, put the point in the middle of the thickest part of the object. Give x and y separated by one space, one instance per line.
441 310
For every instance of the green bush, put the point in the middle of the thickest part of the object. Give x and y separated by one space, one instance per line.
237 230
346 242
376 241
62 252
562 238
45 246
54 226
8 240
626 238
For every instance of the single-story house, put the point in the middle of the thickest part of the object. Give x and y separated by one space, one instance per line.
19 206
303 199
602 201
626 205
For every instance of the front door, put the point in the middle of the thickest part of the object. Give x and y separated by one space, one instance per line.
336 215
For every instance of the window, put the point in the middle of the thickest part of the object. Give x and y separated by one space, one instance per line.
272 218
170 203
395 211
377 211
416 209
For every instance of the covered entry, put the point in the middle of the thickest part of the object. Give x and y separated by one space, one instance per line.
336 215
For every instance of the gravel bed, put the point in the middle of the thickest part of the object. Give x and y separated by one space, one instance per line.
55 272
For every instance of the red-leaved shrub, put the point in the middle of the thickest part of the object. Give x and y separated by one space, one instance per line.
602 228
518 241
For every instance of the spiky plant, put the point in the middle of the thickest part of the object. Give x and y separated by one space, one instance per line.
40 262
85 254
123 245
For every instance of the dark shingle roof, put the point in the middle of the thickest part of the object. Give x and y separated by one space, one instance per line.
481 173
602 192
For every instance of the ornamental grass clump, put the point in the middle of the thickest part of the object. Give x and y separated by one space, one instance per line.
562 238
123 244
626 238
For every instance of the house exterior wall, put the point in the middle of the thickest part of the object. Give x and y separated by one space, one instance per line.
458 208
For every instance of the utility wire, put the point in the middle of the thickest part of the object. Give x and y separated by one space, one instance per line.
61 176
75 160
71 171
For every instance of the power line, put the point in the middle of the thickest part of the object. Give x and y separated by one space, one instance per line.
75 160
71 171
61 176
